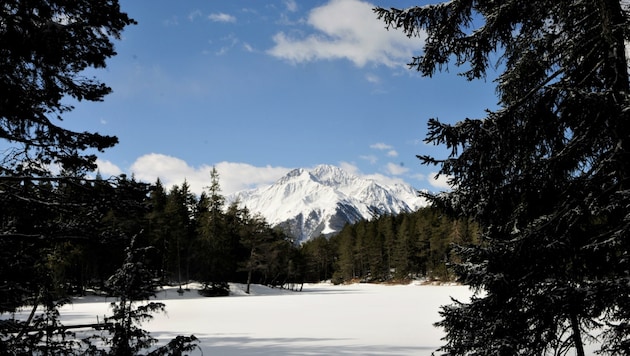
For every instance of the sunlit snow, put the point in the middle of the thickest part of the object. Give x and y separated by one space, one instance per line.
322 319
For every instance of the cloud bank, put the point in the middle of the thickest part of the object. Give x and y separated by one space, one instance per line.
234 177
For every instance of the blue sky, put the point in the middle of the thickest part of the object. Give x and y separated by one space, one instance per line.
259 88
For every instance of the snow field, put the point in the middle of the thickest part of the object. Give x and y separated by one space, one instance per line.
322 319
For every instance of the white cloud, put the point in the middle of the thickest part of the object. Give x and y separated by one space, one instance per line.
377 177
381 146
248 47
350 168
396 169
239 176
346 29
107 168
221 17
438 182
391 152
233 177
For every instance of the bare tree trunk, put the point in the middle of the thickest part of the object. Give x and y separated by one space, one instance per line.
577 336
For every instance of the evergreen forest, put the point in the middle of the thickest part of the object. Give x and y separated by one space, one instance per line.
188 238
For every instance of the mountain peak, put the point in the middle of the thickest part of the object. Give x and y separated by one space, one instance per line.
309 203
331 175
292 175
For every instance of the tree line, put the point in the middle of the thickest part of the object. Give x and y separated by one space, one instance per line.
390 248
191 238
202 239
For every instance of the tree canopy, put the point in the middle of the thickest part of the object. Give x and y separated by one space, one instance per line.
546 176
45 48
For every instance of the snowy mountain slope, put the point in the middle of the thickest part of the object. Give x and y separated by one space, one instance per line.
321 201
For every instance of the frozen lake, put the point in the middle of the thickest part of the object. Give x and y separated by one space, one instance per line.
322 319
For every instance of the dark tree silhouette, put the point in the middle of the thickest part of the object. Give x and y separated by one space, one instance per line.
546 175
45 46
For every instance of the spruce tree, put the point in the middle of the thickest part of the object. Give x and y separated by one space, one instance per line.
157 227
45 47
546 176
133 285
178 231
404 249
214 245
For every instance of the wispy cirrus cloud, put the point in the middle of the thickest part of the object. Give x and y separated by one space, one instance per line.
291 5
193 15
391 152
381 146
222 17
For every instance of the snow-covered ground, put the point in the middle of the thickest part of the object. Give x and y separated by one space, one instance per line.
322 319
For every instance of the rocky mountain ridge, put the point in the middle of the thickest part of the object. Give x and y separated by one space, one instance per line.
308 203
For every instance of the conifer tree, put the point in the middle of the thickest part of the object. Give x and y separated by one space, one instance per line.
346 261
235 252
157 228
133 285
404 249
318 259
45 48
546 176
179 231
215 257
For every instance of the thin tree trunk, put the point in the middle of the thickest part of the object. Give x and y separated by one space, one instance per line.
249 279
577 336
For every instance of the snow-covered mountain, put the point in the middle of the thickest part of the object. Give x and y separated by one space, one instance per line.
308 203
